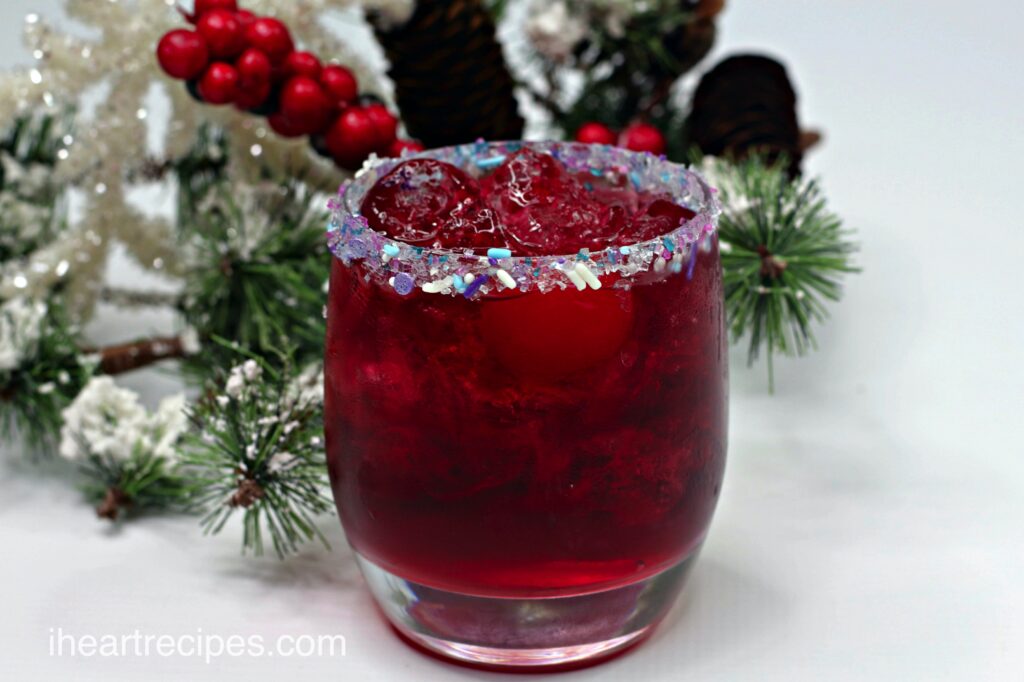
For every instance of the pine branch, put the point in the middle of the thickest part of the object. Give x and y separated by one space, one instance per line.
32 206
127 357
783 256
629 60
144 483
257 450
132 298
545 99
37 138
256 268
202 168
43 370
125 453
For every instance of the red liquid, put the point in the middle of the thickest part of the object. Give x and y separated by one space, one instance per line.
528 444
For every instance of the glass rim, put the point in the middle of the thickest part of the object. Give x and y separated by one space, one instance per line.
466 271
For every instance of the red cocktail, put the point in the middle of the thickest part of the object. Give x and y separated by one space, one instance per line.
526 393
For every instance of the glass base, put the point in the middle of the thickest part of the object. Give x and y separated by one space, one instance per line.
522 633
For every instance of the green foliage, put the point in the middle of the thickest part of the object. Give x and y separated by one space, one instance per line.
45 381
638 60
32 210
36 138
256 268
626 73
257 449
145 482
609 103
783 256
200 170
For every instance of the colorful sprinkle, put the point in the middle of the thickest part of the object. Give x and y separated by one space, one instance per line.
475 285
706 244
403 284
576 279
693 261
437 286
391 250
588 276
505 279
492 162
354 224
499 253
357 248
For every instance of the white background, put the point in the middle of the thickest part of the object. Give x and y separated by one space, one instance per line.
872 523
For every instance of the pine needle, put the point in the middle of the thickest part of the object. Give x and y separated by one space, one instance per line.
784 255
256 448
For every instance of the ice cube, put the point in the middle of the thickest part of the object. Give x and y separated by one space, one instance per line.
417 198
658 217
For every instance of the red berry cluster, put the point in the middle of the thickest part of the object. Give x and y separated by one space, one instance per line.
638 137
234 57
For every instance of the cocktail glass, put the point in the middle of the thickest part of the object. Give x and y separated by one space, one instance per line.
526 451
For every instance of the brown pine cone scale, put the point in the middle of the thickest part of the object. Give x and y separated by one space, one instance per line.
452 84
745 105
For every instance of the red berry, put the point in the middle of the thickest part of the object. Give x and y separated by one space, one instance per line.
223 33
339 83
643 137
283 127
245 17
352 138
385 123
182 54
398 146
279 74
595 133
270 36
253 68
252 96
204 6
219 85
305 105
303 64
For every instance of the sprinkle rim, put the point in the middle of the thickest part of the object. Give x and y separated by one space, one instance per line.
497 268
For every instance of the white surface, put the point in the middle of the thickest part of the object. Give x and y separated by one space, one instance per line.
872 523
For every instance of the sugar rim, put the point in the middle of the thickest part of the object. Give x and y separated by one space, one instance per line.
468 271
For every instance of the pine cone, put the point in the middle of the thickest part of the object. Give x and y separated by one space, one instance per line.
451 81
692 41
708 9
745 105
